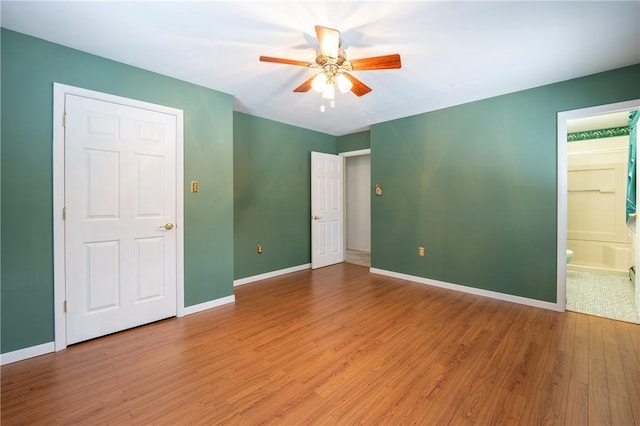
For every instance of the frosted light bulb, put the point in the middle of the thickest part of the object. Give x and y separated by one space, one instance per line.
319 82
344 84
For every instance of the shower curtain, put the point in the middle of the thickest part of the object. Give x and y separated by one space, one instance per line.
631 177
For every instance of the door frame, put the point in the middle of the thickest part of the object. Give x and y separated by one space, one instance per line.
344 156
59 264
562 187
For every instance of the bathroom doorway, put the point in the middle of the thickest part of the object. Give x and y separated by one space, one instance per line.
600 249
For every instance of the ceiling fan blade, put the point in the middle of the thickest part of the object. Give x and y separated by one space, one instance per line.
284 61
358 88
304 87
386 62
329 41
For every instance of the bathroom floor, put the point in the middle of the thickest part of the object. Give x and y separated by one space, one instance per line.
602 295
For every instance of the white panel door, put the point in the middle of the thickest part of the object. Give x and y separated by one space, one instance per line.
326 210
120 199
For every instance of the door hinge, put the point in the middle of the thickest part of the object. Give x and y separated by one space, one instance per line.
64 213
64 120
65 306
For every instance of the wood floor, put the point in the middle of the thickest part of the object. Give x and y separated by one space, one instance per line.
341 346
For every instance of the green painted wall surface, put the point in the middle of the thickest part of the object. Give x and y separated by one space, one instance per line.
272 178
475 185
354 141
29 68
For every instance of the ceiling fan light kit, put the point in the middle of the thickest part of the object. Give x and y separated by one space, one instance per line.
334 67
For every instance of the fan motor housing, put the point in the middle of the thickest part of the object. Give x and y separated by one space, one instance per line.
341 61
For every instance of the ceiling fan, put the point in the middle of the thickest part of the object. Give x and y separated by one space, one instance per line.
333 66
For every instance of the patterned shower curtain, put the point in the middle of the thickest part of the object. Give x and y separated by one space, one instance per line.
631 177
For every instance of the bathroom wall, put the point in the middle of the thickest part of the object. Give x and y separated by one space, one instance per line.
597 184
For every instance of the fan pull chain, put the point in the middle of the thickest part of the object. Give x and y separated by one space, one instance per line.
332 104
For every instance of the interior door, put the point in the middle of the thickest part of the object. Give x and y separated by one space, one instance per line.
120 207
326 210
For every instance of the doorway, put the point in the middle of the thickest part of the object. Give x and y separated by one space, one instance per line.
118 227
595 248
358 207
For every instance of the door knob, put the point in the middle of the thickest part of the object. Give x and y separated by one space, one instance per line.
167 227
314 217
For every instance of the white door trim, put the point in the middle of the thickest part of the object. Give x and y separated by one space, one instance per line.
356 153
563 117
59 277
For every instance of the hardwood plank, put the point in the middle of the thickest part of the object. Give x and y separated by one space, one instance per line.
621 412
625 334
633 386
616 382
580 357
339 345
577 404
599 409
558 391
567 332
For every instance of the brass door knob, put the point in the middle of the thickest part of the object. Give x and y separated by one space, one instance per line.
167 227
314 217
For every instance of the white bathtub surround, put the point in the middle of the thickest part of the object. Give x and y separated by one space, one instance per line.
597 186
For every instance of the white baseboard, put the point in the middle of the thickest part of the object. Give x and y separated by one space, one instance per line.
25 353
208 305
471 290
272 274
46 348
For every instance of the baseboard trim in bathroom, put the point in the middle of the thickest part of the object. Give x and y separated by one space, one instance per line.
597 270
358 257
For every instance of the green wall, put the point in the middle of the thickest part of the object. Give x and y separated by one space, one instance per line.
272 193
29 68
475 185
354 142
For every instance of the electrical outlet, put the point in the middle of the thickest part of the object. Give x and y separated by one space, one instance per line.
421 251
194 186
259 249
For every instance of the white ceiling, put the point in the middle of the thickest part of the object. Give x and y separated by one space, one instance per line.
452 51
